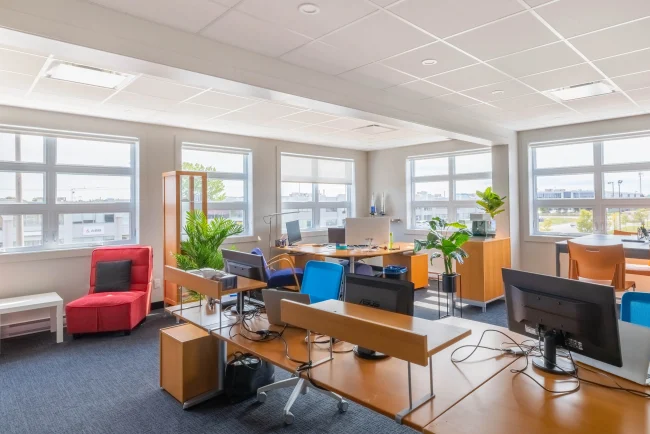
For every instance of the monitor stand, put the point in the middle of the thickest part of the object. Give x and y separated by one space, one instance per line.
365 353
549 362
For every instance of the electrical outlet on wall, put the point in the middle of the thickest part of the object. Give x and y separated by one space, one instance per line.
156 284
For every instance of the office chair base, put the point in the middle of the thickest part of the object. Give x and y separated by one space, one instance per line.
300 387
561 367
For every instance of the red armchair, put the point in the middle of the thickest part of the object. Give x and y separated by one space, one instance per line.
114 311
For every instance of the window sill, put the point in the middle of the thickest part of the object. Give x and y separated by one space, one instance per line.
45 255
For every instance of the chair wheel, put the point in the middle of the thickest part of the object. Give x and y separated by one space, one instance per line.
288 418
261 397
342 406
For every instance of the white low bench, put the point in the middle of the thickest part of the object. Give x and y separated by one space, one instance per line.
49 300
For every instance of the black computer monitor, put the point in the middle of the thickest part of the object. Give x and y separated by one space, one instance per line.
578 316
244 264
388 294
293 232
336 235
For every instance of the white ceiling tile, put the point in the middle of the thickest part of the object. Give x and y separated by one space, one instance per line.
576 17
117 111
159 88
242 30
481 110
455 100
495 92
468 78
333 14
195 110
448 17
383 3
626 63
188 15
600 103
14 61
227 3
347 123
570 76
633 81
417 90
326 58
130 99
523 102
259 113
56 102
221 100
16 81
377 76
283 124
378 36
616 40
640 94
503 37
537 60
73 90
317 129
447 58
533 3
310 117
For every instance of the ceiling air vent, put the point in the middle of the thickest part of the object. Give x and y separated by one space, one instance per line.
580 91
374 129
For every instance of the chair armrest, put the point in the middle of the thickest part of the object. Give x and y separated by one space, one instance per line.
278 259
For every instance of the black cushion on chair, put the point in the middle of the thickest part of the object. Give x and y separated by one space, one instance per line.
113 276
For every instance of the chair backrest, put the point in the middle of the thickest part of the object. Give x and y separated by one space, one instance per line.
141 264
257 251
322 280
605 263
635 308
617 232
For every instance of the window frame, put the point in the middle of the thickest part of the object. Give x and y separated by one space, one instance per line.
316 205
246 176
50 210
599 204
452 204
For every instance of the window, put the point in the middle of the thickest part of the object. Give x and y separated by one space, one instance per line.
445 186
319 190
59 191
593 187
229 181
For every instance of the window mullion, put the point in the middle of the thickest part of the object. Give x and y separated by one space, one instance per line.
50 218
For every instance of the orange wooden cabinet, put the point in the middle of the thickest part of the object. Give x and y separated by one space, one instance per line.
417 264
188 361
481 280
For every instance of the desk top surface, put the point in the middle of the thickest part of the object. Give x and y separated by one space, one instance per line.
331 251
628 241
510 403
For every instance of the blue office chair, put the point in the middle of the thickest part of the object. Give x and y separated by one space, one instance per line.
635 308
290 276
322 281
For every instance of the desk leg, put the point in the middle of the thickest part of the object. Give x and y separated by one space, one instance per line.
557 260
351 265
56 322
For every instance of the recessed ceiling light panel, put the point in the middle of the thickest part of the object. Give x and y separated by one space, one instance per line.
429 62
580 91
85 75
309 9
374 129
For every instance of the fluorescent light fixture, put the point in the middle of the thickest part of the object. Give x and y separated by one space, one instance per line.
374 129
85 75
580 91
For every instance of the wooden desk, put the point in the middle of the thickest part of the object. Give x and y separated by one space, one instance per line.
510 403
633 249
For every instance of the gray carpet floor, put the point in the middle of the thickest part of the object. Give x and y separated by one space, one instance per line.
109 384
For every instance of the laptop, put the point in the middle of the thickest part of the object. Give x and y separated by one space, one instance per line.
635 350
272 299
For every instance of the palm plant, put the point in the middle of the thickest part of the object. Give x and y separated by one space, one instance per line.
491 202
446 240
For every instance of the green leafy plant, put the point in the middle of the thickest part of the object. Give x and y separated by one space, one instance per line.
490 202
446 240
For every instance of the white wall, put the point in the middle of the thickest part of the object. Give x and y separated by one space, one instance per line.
67 273
538 253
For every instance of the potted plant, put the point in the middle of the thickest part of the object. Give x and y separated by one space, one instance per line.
447 238
492 204
202 247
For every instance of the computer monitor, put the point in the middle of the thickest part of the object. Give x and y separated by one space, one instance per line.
336 235
387 294
293 232
578 316
359 230
244 264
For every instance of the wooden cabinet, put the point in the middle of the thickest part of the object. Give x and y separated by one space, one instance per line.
188 361
417 264
481 281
